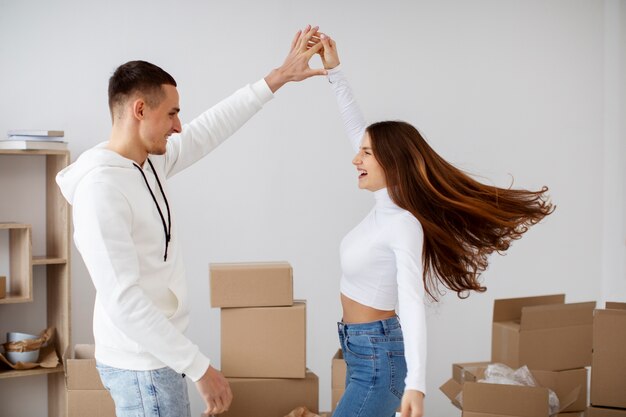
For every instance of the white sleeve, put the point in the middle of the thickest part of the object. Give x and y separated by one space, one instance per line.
214 126
102 235
407 242
353 120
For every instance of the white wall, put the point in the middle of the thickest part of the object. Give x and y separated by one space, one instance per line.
498 87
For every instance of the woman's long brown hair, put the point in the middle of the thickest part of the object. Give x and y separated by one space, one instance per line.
463 220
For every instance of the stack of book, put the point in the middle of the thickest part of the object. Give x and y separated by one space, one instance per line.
34 139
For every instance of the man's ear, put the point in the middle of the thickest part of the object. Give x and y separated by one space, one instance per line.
139 106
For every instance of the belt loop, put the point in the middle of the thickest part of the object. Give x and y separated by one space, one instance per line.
342 328
385 327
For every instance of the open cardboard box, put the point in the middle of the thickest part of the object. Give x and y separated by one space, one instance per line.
86 396
486 400
542 333
608 370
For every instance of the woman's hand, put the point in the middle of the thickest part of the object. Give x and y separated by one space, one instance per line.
412 404
329 55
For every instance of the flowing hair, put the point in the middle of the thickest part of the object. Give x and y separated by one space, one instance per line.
463 220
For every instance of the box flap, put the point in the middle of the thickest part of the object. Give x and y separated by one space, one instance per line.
451 389
469 371
615 306
605 412
69 352
557 315
84 352
80 369
563 383
569 399
510 309
505 400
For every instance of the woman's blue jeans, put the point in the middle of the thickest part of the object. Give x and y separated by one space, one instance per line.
158 393
376 368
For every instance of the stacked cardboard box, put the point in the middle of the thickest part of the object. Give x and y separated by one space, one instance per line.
608 369
86 396
551 338
263 339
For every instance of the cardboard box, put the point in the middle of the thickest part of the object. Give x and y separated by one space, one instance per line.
615 306
338 378
605 412
542 333
608 369
564 382
264 342
262 397
469 371
3 287
251 284
86 396
92 403
561 382
482 399
80 368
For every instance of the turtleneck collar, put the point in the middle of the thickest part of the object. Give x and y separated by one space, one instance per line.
383 199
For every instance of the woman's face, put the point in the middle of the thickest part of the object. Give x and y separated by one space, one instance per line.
371 174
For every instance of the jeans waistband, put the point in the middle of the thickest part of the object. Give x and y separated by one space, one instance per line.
374 327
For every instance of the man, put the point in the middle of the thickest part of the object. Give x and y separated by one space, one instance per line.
129 242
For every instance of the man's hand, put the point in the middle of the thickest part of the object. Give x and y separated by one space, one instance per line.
296 65
215 391
412 404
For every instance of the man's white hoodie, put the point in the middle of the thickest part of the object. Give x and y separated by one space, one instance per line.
141 311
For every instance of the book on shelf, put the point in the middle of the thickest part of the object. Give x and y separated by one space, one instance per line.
37 138
36 132
32 144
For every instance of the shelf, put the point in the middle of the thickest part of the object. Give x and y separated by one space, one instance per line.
48 260
56 262
12 373
34 152
15 299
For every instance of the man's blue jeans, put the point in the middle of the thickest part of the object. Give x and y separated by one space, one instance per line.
158 393
376 368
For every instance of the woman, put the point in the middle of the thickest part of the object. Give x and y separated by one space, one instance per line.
432 225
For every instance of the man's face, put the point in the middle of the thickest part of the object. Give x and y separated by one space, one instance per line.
161 121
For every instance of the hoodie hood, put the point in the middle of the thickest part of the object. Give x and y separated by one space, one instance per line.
91 160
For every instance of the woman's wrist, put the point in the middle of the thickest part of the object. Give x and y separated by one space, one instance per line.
329 66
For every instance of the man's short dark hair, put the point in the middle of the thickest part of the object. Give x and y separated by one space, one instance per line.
138 77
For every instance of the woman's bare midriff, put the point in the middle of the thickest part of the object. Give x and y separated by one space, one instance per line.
355 312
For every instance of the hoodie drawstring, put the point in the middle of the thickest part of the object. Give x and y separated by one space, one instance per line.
166 228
